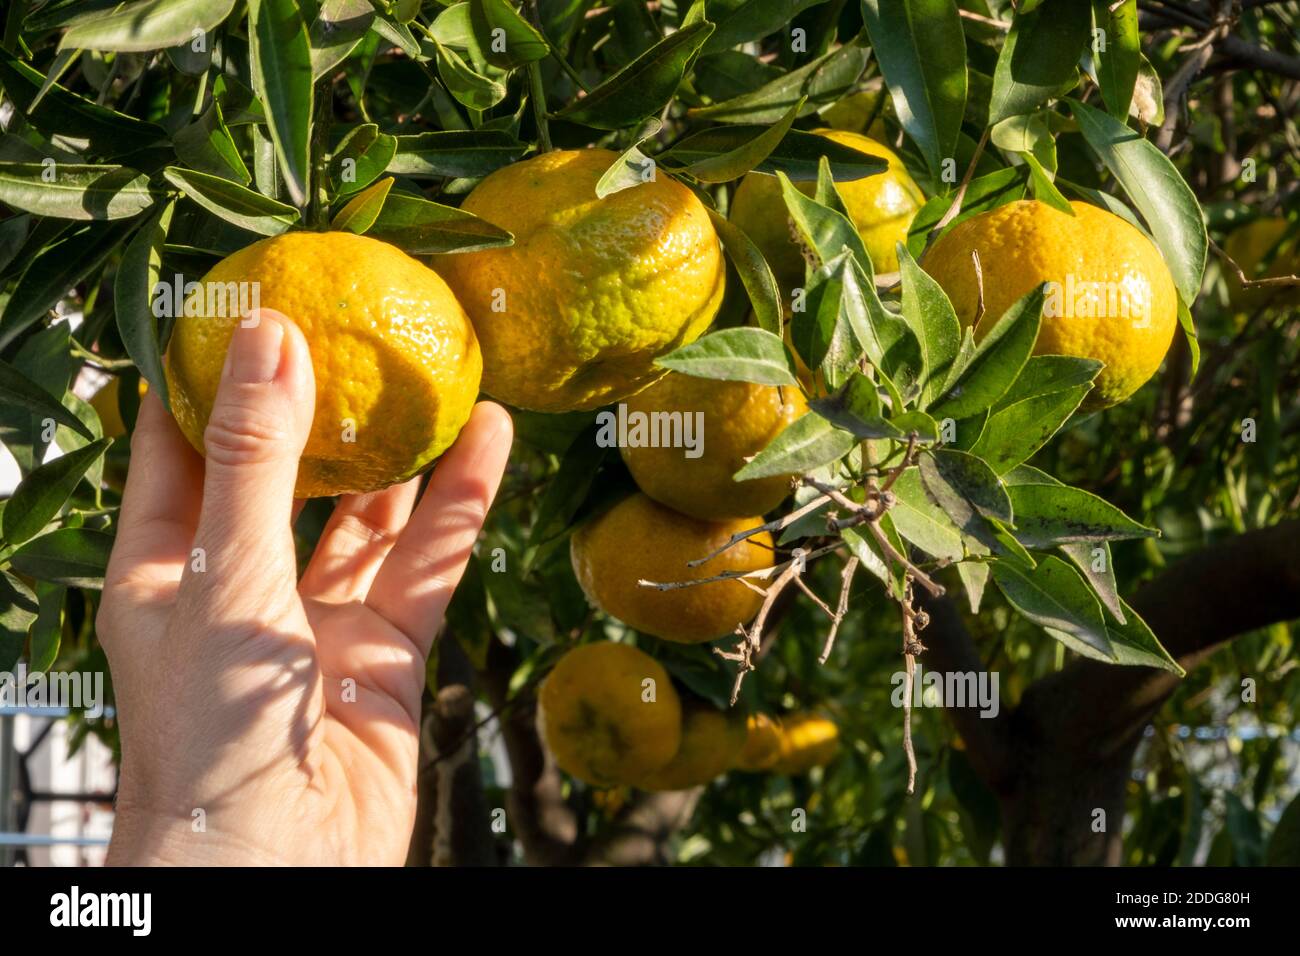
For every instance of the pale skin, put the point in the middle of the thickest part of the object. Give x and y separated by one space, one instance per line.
267 719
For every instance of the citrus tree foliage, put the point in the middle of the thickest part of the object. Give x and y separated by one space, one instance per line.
145 140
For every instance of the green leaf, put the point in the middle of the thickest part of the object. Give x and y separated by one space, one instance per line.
742 354
1135 645
1099 574
18 609
983 194
76 557
922 52
755 274
568 489
40 495
1055 597
133 292
1039 59
66 114
796 153
632 167
864 549
522 43
361 157
336 31
146 25
930 316
974 576
363 209
280 56
824 231
835 329
57 268
1188 328
740 21
962 485
644 86
1093 559
232 202
1044 374
997 361
1118 64
806 443
46 632
74 191
857 409
45 358
420 227
1160 193
1043 188
456 154
922 522
1050 515
746 155
468 86
1015 431
822 81
206 145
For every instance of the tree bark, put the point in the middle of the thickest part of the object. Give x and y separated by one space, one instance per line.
538 814
1066 751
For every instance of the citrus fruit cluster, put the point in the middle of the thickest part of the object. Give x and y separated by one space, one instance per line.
612 717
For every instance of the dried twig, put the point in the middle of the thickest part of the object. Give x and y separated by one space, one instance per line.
1265 283
846 580
912 647
775 525
955 209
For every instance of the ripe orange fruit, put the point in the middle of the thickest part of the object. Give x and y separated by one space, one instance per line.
711 742
1115 300
740 418
639 539
573 315
807 741
762 746
609 712
881 207
396 362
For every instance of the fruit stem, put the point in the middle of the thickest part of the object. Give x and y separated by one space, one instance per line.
536 92
316 215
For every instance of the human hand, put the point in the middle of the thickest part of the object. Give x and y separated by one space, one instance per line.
266 719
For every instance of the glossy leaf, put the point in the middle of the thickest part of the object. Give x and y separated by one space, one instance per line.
1160 193
922 52
232 202
806 443
280 56
137 276
40 495
420 227
642 87
734 355
76 557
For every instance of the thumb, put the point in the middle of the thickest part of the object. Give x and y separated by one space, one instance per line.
255 435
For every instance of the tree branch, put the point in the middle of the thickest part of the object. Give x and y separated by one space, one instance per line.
949 650
639 834
546 825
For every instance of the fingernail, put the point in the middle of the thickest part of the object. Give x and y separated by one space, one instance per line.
255 352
